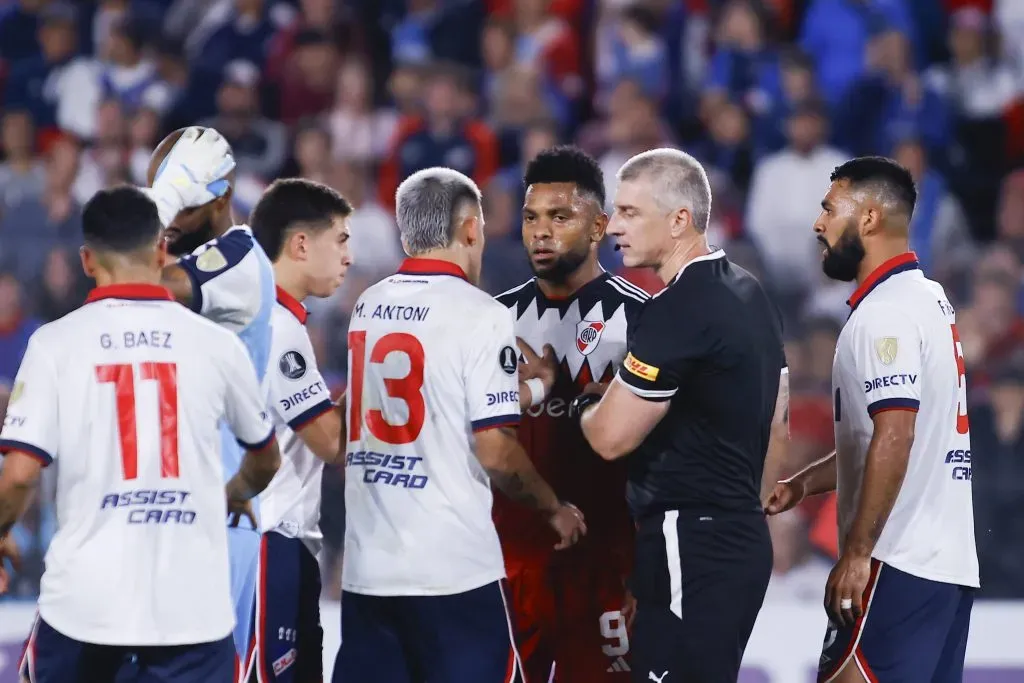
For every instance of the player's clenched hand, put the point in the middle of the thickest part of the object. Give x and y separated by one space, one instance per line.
238 509
844 591
8 551
568 523
786 495
193 173
544 368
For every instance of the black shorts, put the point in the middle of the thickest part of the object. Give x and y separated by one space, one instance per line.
699 581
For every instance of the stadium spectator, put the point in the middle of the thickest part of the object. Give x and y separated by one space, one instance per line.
939 233
783 200
307 88
260 144
442 136
978 82
15 327
22 175
68 100
359 132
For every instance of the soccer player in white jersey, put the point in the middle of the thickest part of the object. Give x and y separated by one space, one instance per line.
125 394
432 395
899 599
223 274
303 226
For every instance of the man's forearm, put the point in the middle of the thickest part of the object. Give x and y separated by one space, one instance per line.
254 475
517 478
820 476
884 471
13 502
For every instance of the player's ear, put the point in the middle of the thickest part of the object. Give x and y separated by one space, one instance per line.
88 259
162 257
599 227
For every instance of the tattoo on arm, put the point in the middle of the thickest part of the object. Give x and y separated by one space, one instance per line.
513 485
12 506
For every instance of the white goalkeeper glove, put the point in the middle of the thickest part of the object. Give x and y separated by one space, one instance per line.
193 173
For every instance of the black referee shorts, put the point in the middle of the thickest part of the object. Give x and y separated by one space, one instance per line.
699 581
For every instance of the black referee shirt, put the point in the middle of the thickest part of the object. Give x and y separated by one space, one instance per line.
711 343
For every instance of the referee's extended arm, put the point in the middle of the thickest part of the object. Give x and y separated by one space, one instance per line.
620 421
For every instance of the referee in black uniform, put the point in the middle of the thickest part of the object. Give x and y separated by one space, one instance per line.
702 394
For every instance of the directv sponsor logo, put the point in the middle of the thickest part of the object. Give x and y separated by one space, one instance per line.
889 381
500 397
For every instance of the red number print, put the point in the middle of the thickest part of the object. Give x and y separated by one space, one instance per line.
122 376
962 423
407 388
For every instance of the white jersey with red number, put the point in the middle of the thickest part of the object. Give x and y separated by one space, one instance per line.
432 360
298 395
900 351
126 394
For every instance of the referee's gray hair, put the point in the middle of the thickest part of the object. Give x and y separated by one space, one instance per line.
677 180
428 206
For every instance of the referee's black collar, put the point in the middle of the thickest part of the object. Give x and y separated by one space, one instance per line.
715 254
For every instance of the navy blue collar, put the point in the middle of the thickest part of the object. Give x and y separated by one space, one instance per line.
897 264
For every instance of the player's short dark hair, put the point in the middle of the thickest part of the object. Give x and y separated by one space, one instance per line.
291 203
567 164
120 219
885 176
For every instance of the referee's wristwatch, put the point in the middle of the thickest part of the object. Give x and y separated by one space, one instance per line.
579 404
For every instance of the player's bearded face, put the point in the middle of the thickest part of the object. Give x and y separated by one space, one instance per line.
842 260
188 233
565 262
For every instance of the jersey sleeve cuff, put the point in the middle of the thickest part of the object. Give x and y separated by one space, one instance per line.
259 444
511 420
310 414
882 405
656 395
188 265
8 445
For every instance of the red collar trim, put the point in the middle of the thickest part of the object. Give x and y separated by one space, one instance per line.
430 266
293 305
897 264
136 292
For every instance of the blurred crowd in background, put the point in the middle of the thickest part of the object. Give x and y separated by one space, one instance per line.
769 94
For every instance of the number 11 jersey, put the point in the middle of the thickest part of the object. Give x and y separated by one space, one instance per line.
125 394
432 360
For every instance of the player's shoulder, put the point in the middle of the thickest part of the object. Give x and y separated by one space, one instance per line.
624 292
226 251
518 295
285 327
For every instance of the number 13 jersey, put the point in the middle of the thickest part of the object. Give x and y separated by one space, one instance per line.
432 359
900 351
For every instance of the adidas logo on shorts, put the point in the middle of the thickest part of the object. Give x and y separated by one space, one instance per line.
619 664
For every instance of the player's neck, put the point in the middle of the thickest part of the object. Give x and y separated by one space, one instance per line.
683 252
588 271
457 256
885 251
290 281
127 275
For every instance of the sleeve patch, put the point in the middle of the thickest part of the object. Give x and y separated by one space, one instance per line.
640 369
886 348
292 365
211 260
507 359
